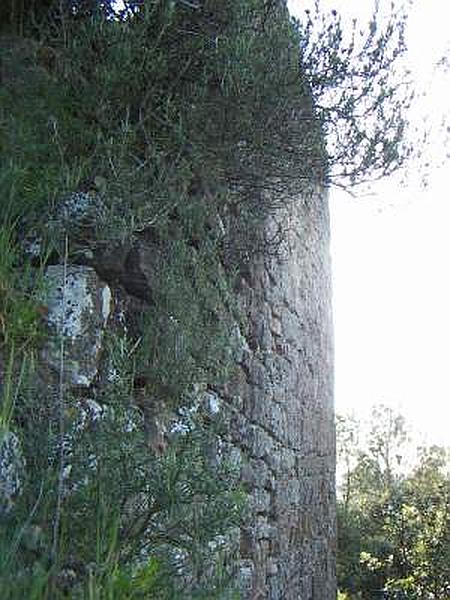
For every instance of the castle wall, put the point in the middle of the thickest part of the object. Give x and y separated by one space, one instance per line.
281 402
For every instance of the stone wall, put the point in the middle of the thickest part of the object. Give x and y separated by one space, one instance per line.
278 404
282 421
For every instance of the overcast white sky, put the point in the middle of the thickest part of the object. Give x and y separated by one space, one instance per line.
391 264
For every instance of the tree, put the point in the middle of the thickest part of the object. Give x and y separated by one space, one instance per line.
421 527
361 94
19 16
394 523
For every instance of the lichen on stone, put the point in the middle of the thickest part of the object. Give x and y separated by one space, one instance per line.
79 305
12 468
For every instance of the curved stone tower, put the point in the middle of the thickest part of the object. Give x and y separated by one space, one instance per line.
279 402
282 414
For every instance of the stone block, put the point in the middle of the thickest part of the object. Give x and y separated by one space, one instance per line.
79 305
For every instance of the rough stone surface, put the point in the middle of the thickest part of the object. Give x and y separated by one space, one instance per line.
280 407
80 213
132 266
11 470
78 305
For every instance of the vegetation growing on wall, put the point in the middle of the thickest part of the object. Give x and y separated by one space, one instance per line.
189 124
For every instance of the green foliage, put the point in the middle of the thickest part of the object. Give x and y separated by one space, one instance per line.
38 129
20 321
219 89
217 97
361 92
191 295
136 522
393 522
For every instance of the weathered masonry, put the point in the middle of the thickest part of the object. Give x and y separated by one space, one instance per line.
156 310
283 421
